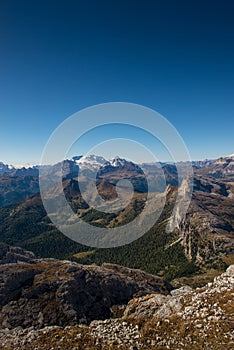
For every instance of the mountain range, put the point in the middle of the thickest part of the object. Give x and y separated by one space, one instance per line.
203 240
216 167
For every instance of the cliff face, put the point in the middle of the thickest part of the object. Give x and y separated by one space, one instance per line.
207 230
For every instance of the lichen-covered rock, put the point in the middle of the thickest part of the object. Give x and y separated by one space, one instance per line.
156 305
162 306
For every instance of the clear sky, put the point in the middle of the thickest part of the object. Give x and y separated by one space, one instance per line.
57 57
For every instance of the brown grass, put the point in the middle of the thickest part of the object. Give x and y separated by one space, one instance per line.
82 255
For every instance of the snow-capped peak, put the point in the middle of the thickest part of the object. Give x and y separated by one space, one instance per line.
90 161
230 156
6 168
117 161
226 159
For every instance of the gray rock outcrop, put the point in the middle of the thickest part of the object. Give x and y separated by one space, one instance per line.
52 292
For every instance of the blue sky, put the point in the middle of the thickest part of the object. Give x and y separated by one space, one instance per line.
57 57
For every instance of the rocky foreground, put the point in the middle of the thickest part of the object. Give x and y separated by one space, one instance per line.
51 304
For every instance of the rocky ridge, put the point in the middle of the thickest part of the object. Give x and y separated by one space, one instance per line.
45 292
154 318
203 319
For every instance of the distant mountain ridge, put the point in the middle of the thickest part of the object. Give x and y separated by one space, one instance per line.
5 168
11 170
94 162
220 168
